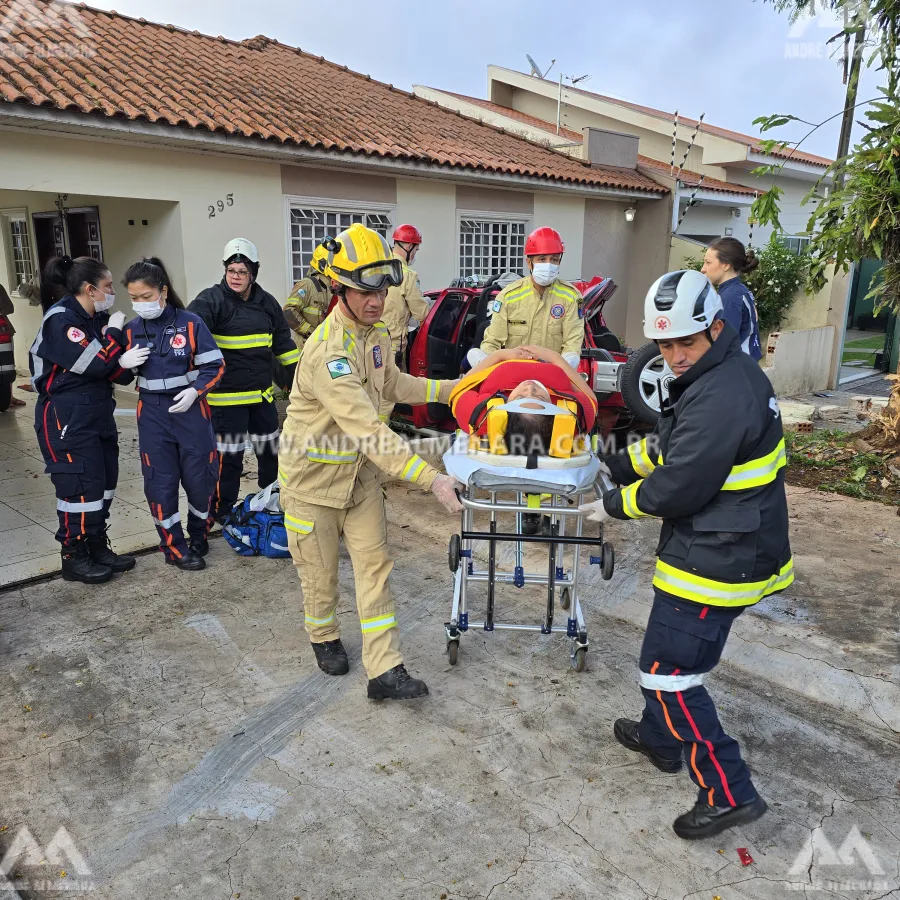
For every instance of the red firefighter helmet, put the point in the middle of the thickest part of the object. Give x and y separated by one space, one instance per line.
544 242
408 234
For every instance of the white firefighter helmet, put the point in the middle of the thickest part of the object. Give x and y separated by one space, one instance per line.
240 247
679 304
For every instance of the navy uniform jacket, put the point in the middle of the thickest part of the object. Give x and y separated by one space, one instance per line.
75 352
183 354
713 471
739 306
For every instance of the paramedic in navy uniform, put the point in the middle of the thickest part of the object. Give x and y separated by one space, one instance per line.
724 263
74 360
175 431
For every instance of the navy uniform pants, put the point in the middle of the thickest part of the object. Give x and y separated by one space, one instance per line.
177 449
683 642
252 425
80 444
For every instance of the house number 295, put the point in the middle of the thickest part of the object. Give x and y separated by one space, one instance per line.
220 205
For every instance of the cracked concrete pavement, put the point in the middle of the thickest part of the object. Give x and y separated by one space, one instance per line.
176 725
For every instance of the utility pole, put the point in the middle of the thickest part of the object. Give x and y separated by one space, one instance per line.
859 40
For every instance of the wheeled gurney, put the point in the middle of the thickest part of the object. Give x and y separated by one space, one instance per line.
502 484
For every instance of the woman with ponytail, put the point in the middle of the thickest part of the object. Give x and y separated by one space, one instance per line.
74 361
177 440
724 263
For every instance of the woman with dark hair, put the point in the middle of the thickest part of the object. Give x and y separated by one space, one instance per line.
724 263
74 360
177 440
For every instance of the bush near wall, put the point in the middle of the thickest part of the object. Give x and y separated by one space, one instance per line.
774 282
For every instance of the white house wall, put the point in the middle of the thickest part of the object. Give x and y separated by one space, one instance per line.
566 215
431 207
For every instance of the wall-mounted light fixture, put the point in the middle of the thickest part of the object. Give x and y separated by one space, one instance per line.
629 214
735 211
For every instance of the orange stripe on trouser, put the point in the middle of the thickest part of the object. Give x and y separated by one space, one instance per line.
709 747
664 707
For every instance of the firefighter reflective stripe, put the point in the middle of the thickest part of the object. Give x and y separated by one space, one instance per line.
629 501
242 341
384 419
349 343
108 495
640 459
291 356
321 333
300 526
382 328
518 293
377 623
238 398
208 356
757 472
330 457
312 620
166 384
168 523
689 586
413 469
670 683
238 447
89 506
432 391
199 513
87 357
282 477
7 368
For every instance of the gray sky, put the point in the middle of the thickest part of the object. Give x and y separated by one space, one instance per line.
732 59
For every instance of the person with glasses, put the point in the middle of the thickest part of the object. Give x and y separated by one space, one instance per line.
249 326
335 458
175 431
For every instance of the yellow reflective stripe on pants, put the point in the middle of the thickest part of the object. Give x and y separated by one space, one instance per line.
330 457
311 620
235 398
690 586
757 472
640 458
300 526
291 356
413 469
242 341
629 501
377 623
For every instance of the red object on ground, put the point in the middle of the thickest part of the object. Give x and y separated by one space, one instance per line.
746 858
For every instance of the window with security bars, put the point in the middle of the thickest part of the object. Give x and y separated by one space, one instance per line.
309 227
489 247
22 259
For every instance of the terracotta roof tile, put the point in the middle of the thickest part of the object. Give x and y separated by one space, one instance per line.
262 89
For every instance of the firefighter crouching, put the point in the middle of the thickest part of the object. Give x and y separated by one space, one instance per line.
307 306
713 471
335 453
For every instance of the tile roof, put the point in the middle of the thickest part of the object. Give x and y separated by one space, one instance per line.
690 179
136 70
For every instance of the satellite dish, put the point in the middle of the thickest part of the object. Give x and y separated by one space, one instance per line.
535 70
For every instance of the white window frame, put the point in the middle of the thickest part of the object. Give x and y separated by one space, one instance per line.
329 204
804 240
483 215
6 217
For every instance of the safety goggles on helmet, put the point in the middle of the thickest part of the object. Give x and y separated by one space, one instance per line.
371 276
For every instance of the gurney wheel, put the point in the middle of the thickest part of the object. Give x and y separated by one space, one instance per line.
452 652
453 553
609 560
565 598
578 659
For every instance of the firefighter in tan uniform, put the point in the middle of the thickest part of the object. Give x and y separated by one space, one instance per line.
336 455
539 309
404 301
305 309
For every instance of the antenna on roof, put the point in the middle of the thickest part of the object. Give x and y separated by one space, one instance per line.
690 145
579 78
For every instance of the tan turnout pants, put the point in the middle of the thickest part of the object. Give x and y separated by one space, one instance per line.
315 554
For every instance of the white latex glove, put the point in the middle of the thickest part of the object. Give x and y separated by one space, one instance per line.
184 401
116 320
134 358
572 359
475 356
595 511
444 488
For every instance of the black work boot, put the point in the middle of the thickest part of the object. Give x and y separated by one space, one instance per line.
396 684
706 821
626 732
77 565
199 546
190 562
332 657
101 552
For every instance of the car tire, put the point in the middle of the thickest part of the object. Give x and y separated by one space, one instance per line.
640 376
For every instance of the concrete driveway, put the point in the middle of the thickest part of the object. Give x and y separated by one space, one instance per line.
176 726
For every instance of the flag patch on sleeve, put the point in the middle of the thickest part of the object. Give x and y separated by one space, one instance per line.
338 367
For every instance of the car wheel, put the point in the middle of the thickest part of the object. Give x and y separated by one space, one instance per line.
642 376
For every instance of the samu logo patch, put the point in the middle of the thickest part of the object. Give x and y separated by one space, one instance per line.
338 367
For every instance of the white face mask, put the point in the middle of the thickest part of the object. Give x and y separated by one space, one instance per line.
149 310
545 273
105 304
